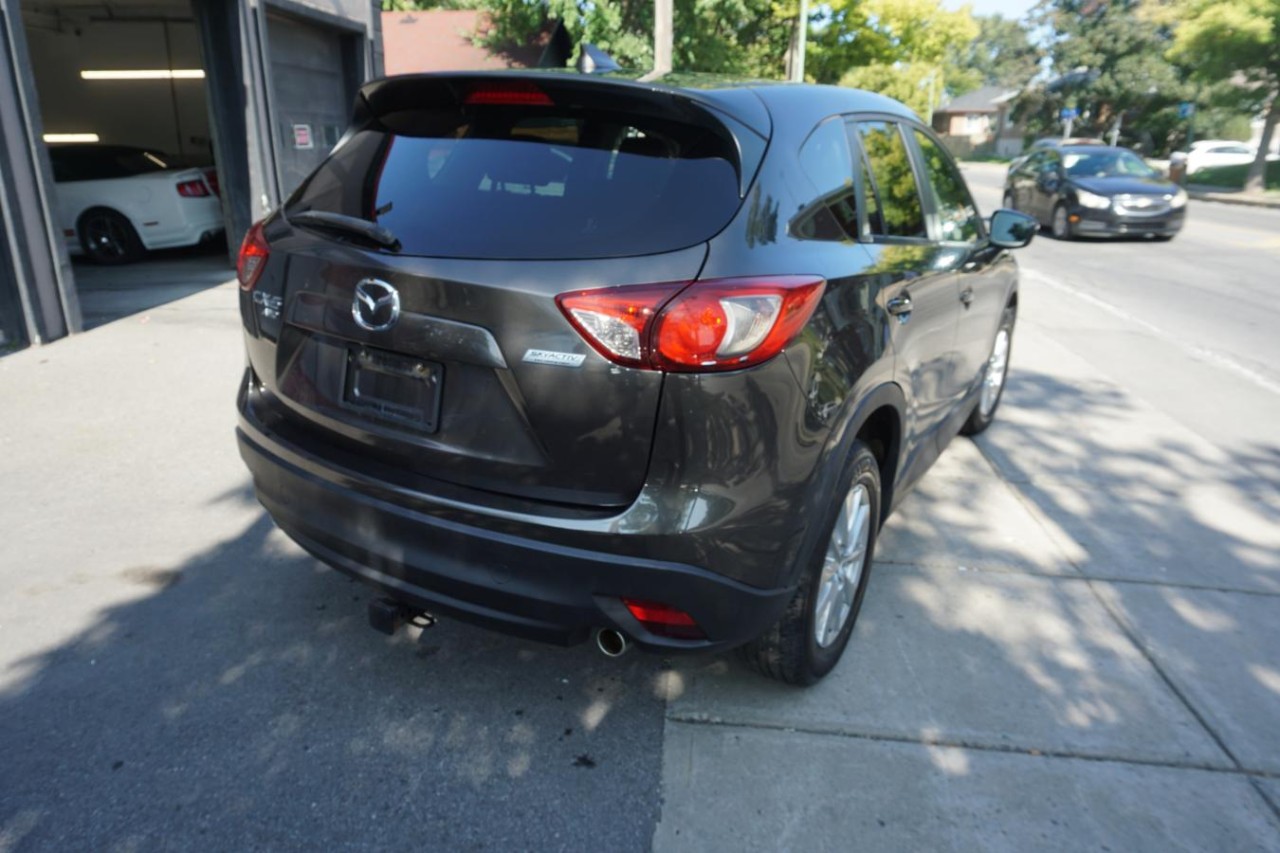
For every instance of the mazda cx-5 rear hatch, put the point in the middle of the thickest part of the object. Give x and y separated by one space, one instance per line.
406 318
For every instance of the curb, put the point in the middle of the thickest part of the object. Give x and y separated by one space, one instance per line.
1235 198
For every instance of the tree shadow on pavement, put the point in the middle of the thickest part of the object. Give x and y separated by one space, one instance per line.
239 701
1025 612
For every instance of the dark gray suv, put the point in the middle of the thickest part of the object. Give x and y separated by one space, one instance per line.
575 357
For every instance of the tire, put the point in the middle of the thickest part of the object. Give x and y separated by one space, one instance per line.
108 237
994 374
790 650
1059 225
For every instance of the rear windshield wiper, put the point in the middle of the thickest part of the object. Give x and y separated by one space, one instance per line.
371 231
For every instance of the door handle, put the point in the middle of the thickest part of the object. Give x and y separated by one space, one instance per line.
900 307
966 296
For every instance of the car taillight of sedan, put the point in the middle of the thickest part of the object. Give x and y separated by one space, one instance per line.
193 189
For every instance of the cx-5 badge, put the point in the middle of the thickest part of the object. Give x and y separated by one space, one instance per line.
376 306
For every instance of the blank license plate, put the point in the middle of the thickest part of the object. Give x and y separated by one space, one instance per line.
393 387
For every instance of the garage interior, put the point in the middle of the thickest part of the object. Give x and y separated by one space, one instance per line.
127 73
134 73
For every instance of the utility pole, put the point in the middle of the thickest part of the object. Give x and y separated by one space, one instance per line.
795 57
663 34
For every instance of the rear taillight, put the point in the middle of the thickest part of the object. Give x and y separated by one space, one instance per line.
211 178
193 189
722 324
252 258
664 620
513 93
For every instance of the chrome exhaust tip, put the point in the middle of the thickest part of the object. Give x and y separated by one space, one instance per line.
612 643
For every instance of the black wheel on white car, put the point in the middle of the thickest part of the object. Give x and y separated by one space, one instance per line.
994 374
808 640
108 237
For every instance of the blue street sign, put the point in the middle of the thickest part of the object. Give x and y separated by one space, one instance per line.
1069 113
1186 109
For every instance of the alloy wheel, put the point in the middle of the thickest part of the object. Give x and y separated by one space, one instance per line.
1060 223
843 566
997 369
105 237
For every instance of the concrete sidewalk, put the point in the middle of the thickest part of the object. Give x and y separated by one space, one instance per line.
1070 642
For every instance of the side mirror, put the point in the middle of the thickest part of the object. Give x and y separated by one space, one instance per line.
1011 229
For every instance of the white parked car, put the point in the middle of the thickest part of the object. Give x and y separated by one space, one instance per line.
116 202
1218 152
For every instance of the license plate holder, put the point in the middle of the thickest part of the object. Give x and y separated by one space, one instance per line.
401 389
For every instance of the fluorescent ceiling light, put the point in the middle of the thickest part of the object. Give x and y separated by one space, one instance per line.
70 137
146 74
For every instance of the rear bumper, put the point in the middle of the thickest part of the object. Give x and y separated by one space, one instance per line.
518 584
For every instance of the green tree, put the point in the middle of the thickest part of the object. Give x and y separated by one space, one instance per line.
745 37
1110 59
1001 55
899 48
1237 41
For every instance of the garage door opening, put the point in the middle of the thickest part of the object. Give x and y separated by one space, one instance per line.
125 110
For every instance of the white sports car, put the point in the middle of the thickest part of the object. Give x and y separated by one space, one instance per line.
115 202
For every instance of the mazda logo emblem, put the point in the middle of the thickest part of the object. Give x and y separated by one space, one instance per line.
376 306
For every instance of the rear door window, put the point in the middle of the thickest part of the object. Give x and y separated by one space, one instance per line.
893 180
533 183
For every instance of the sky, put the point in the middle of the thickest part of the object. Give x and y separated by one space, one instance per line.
1008 8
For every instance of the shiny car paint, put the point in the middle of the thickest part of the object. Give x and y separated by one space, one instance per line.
549 492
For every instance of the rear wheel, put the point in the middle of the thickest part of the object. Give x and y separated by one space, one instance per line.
108 237
1061 225
808 640
993 377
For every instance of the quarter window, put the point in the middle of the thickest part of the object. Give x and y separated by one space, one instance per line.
957 216
895 182
832 213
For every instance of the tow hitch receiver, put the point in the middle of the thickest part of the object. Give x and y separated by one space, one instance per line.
386 615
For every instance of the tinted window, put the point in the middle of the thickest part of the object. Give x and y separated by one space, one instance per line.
502 182
957 216
895 183
103 162
831 212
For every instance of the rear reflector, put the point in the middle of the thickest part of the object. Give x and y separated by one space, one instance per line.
721 324
193 189
253 257
509 93
664 620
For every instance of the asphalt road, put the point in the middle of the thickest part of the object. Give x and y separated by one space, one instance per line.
1201 314
1071 643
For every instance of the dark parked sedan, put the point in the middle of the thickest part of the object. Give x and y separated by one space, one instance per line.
1096 191
572 357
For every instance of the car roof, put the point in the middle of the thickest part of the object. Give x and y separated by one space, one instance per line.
1092 149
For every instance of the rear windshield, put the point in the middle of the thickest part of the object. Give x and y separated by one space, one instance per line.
532 183
103 162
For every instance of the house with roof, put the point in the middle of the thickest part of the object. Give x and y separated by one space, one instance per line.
979 123
450 40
